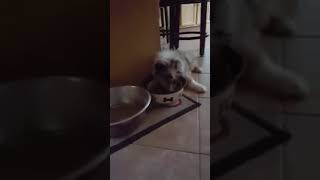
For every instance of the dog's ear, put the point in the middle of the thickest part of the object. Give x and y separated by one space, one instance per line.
165 47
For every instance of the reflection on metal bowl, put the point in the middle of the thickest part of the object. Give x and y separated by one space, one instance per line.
127 105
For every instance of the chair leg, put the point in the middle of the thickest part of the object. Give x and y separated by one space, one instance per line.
174 26
166 23
177 25
203 24
172 17
162 22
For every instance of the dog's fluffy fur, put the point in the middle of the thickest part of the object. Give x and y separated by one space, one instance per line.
245 22
171 66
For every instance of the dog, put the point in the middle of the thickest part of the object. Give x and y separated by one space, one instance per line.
242 23
172 68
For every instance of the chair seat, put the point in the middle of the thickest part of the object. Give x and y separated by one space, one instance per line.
172 2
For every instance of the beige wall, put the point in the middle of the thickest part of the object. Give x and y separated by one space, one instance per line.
134 39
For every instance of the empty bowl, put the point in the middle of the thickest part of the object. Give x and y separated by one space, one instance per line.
127 105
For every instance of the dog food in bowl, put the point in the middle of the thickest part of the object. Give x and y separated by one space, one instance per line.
161 96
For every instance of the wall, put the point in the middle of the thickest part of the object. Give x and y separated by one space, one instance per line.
134 39
53 37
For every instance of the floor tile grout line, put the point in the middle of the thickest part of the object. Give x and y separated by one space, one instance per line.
200 129
165 148
199 137
204 154
200 174
199 126
204 97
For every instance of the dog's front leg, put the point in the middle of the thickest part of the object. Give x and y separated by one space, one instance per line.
195 86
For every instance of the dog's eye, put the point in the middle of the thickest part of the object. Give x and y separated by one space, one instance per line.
160 67
179 72
174 63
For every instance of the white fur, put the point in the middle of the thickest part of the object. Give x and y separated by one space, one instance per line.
188 66
243 21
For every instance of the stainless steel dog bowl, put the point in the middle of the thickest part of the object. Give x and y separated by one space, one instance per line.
127 105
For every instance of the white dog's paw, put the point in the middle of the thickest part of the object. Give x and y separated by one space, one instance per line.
196 87
200 88
197 69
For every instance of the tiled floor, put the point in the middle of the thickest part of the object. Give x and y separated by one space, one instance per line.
148 163
180 150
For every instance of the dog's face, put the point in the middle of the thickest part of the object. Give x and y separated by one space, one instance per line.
168 70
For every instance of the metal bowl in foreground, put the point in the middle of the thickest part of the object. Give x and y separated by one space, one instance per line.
127 105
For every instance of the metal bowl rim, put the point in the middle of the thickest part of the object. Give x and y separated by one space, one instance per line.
139 112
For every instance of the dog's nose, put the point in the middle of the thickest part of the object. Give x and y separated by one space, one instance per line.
170 77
